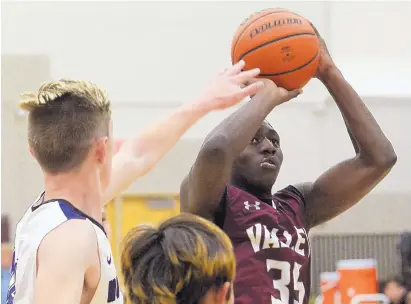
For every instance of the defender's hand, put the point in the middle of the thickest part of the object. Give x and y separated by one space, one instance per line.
326 61
229 87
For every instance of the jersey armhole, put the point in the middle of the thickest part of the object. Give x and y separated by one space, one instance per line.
219 217
299 196
296 192
36 264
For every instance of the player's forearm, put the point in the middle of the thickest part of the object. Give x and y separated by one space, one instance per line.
235 132
373 145
139 155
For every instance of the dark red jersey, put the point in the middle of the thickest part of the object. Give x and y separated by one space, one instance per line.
271 246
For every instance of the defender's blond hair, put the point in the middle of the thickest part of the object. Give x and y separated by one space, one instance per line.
177 263
64 117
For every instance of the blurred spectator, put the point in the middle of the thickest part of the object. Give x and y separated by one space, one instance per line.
5 229
395 290
404 248
6 260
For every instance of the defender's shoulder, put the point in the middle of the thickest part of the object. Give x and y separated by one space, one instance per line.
75 233
74 240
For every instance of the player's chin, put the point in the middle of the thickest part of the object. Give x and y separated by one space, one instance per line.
269 176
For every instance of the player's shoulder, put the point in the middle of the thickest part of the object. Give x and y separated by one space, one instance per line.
76 232
291 192
67 251
72 239
57 206
45 215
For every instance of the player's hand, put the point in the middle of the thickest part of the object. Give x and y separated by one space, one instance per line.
272 93
230 87
326 61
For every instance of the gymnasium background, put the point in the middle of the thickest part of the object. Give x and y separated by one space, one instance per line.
153 56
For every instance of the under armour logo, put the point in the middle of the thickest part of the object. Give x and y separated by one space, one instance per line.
256 206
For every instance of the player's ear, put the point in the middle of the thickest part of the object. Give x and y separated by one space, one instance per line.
230 293
224 294
31 152
102 149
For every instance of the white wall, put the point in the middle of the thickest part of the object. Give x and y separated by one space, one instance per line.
135 48
151 56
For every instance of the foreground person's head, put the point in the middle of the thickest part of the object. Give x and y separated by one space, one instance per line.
185 260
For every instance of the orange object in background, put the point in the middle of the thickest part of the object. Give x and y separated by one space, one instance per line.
329 287
117 145
357 277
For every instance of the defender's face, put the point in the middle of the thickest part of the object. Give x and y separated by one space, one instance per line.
260 162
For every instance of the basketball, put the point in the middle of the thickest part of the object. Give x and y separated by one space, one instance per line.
281 43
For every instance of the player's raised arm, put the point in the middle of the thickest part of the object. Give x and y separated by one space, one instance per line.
348 182
202 190
63 257
139 155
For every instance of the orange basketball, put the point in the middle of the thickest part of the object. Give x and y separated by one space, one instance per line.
279 42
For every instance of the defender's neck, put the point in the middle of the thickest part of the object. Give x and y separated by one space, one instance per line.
81 189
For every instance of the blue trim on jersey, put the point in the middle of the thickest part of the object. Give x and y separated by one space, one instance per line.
12 284
69 212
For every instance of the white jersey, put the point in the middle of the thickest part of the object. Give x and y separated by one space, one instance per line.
37 222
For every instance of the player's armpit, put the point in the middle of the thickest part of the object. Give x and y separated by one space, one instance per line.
201 191
348 182
340 188
63 257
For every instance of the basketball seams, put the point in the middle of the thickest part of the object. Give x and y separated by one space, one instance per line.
273 41
246 26
293 70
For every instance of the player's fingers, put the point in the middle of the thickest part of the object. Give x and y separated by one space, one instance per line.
236 68
247 76
251 89
293 94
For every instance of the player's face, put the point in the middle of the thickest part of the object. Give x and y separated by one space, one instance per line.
259 164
